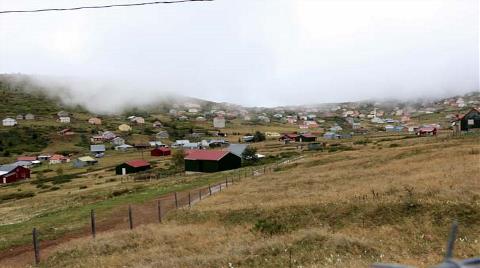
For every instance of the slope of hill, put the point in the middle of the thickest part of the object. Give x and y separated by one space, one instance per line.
387 202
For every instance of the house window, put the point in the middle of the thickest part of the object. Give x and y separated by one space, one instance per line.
470 122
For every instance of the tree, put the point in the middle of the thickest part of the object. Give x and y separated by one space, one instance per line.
178 158
249 154
259 136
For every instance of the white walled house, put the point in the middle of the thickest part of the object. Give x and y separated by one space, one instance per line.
9 122
64 119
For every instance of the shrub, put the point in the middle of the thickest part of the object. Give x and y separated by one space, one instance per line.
269 227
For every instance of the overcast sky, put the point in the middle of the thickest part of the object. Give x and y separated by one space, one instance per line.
251 52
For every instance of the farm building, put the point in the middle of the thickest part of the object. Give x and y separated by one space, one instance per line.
468 121
160 151
13 173
84 161
9 122
331 136
307 137
289 137
132 166
124 128
58 159
211 161
219 122
95 121
19 117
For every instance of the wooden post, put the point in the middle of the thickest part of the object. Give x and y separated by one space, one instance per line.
220 187
210 189
200 194
36 246
226 182
159 207
130 218
176 200
189 199
92 223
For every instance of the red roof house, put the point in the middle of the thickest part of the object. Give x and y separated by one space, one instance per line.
160 151
12 173
26 158
211 161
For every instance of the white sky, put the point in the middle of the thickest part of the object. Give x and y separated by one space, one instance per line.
251 52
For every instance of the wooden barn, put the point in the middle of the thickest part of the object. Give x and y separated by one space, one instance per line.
132 166
307 137
160 151
13 173
468 121
211 161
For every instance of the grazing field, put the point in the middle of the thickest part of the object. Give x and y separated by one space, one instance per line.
385 201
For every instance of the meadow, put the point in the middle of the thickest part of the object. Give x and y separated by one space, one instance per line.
390 199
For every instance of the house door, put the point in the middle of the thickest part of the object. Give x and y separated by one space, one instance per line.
124 171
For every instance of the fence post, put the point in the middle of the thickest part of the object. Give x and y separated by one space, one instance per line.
130 217
36 246
226 182
200 194
189 199
92 223
176 200
159 207
210 189
220 187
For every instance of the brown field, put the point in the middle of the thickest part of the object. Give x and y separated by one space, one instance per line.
348 208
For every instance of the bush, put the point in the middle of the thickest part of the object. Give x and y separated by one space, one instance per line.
16 196
269 227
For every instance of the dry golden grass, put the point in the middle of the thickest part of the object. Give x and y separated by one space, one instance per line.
340 209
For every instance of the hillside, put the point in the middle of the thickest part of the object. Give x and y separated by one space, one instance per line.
388 201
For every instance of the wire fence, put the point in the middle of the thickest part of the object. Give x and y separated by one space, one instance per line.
155 211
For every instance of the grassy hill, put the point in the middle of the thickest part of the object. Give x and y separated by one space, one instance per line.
388 201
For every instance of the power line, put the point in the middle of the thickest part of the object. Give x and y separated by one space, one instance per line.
103 6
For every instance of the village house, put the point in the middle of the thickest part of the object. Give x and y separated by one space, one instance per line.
95 121
182 118
13 173
331 135
19 117
162 135
63 114
117 141
211 161
66 132
64 119
156 144
137 120
97 149
467 122
29 117
193 110
219 122
123 147
84 161
124 128
132 166
9 122
426 131
160 151
306 137
157 124
200 119
58 159
97 139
